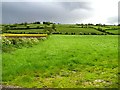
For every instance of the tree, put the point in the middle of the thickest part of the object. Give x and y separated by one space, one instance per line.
47 23
77 24
28 26
36 23
104 25
54 26
48 29
5 28
25 23
82 25
99 24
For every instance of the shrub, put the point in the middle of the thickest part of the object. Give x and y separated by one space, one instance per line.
81 33
38 27
5 41
28 26
72 33
60 33
66 33
9 44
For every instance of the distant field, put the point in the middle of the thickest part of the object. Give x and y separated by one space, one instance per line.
78 30
65 29
64 61
62 29
114 31
27 31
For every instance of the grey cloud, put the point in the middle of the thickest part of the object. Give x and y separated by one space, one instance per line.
63 12
76 5
0 12
119 12
113 20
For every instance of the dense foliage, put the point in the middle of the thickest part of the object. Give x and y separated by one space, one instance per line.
10 44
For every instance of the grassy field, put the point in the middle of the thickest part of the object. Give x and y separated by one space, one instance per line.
27 31
62 28
64 61
78 30
114 31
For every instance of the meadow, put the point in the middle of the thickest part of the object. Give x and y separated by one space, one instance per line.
64 29
64 61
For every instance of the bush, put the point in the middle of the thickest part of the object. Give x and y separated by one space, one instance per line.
72 33
41 27
81 33
5 41
60 33
66 33
28 26
38 27
9 44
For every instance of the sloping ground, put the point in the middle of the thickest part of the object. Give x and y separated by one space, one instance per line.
63 30
114 31
64 61
78 30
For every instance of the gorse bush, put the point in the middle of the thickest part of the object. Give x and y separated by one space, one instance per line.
6 45
5 41
9 44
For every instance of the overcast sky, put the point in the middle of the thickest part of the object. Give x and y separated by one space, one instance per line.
60 11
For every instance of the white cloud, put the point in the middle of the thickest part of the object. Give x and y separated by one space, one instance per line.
46 0
103 10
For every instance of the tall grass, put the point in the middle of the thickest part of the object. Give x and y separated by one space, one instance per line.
64 61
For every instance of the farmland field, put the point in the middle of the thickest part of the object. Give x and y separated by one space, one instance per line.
64 61
78 30
113 31
64 29
27 31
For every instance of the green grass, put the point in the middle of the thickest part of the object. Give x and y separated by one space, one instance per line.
78 30
35 25
31 25
113 31
64 61
69 28
27 31
63 30
107 27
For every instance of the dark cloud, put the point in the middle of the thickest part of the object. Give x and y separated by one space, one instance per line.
63 12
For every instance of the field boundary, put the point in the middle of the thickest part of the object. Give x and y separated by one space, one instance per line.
24 35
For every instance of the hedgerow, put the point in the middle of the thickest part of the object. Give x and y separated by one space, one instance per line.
10 44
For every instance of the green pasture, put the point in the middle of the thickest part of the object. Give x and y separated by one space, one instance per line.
28 30
78 30
64 61
65 29
114 31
